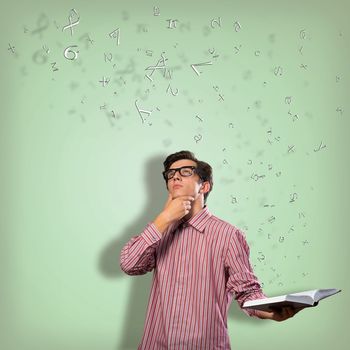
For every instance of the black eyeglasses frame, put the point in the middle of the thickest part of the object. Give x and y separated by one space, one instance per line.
179 170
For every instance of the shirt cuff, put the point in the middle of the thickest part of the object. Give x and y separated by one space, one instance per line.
254 296
151 235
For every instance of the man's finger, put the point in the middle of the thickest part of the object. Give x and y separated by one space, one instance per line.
288 312
169 199
189 198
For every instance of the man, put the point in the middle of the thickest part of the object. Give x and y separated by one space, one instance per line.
200 263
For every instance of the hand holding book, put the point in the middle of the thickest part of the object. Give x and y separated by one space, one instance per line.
296 301
278 314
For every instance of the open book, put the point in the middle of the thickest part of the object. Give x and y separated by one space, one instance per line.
296 300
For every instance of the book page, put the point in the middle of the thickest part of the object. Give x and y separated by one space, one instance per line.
324 293
308 293
306 298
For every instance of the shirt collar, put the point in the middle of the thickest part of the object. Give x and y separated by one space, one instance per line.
200 220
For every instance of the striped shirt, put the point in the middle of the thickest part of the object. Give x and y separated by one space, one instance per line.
199 266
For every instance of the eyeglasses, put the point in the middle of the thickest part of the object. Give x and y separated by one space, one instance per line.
184 171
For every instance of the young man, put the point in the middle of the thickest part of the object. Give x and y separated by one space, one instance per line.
200 264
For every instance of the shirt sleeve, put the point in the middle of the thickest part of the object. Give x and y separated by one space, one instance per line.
138 255
241 279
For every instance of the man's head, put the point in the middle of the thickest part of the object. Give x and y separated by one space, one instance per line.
192 177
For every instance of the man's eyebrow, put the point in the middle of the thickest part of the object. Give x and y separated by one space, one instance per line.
185 166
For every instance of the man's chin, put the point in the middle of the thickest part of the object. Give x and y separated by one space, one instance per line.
178 193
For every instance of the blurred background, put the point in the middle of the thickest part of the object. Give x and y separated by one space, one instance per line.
95 96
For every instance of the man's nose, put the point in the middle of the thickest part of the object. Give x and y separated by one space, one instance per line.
177 175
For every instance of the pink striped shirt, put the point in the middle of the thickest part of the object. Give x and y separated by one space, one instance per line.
199 266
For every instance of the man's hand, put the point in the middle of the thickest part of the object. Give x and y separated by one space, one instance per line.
174 210
278 314
177 208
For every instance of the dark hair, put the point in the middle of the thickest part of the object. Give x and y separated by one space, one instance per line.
203 169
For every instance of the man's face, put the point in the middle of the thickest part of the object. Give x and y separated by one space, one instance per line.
184 185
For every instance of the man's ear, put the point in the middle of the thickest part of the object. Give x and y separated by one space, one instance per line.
205 187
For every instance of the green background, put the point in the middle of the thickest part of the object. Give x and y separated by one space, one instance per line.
81 170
